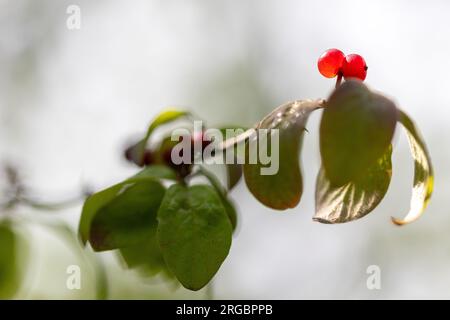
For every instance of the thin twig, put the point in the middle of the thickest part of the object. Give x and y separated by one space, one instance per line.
50 206
338 80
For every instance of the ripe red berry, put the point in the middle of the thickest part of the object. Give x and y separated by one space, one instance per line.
330 63
354 67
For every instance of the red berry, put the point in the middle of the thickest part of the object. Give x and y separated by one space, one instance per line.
354 67
330 63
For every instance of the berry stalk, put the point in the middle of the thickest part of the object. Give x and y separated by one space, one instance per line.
338 80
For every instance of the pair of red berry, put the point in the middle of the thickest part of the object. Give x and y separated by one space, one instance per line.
333 62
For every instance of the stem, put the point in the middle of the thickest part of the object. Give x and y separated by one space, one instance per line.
231 142
243 137
213 180
235 140
338 80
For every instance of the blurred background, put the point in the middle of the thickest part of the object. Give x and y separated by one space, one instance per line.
70 100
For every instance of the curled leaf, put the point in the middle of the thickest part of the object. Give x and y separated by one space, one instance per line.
357 126
283 189
353 200
423 172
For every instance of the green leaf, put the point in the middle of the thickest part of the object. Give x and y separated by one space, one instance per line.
356 128
127 219
354 199
282 190
155 172
194 233
146 254
146 257
9 273
423 172
98 200
223 194
164 117
91 206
